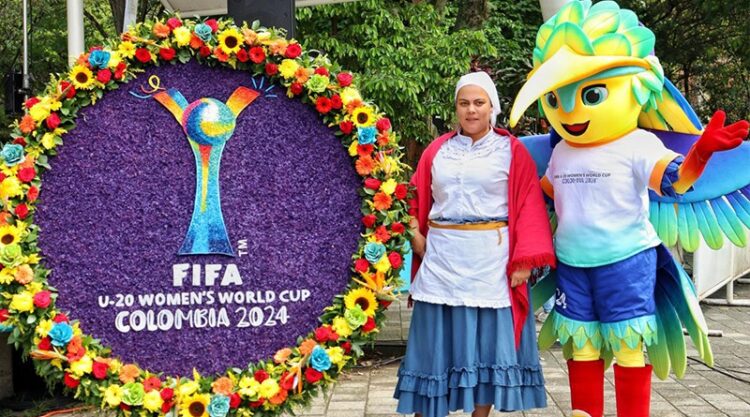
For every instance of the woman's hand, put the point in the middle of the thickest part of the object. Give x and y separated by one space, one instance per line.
519 277
418 244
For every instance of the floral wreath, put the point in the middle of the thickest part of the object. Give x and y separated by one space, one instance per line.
59 347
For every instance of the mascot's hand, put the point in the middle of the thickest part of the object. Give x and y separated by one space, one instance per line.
717 137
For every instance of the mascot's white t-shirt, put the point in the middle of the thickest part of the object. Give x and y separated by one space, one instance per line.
601 197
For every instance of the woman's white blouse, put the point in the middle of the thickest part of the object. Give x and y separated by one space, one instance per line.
469 184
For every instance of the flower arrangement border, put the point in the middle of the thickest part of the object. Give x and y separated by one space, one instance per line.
62 352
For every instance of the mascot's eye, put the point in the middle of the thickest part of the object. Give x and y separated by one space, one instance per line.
551 99
594 94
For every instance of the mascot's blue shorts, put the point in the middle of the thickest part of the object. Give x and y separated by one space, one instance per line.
610 293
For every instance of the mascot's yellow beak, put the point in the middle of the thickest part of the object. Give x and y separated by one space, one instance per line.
565 67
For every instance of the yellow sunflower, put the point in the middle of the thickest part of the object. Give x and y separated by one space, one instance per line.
195 405
81 77
9 235
363 116
362 297
230 41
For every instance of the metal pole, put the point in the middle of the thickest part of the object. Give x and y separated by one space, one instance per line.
75 30
25 82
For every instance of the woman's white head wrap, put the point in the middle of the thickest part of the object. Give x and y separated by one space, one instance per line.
482 80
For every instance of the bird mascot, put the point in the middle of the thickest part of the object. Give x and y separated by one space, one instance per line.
631 169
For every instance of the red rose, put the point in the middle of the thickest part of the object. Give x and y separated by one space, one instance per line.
381 234
296 88
242 55
323 104
70 382
204 51
151 384
369 220
369 325
99 370
272 69
71 91
346 127
321 71
293 51
312 376
401 191
4 315
384 303
22 210
124 407
166 406
260 375
256 404
32 194
336 102
26 174
365 150
372 183
333 336
395 259
104 75
286 381
383 124
322 333
167 54
120 70
142 55
347 346
20 141
213 24
257 54
361 265
174 22
344 79
45 343
398 228
53 120
42 299
166 394
234 400
30 102
60 318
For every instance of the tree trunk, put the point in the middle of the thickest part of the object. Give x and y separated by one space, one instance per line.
472 14
118 13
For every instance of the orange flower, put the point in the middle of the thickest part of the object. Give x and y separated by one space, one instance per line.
76 349
353 105
307 346
383 139
24 274
382 201
302 75
161 30
282 355
128 373
278 47
364 165
223 386
221 55
249 35
279 398
27 124
195 42
4 218
27 163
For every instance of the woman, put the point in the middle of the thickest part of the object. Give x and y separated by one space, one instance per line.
480 229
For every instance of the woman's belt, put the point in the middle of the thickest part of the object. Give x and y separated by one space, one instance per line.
474 226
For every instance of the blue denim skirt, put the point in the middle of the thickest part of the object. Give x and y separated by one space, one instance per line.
457 357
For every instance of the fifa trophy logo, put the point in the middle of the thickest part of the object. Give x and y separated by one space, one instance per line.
208 125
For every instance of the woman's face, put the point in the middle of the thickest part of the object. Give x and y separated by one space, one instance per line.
473 108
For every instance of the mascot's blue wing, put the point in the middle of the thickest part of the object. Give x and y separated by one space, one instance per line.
717 206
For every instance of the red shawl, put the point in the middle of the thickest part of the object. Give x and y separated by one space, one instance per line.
530 237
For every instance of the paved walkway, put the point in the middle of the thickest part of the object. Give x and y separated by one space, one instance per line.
367 390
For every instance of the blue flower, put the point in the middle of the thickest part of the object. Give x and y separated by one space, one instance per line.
99 59
219 406
319 359
12 154
61 334
374 251
366 135
203 31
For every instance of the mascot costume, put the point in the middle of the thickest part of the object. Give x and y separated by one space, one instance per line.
621 129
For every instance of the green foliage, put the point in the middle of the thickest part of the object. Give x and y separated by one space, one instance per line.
406 55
